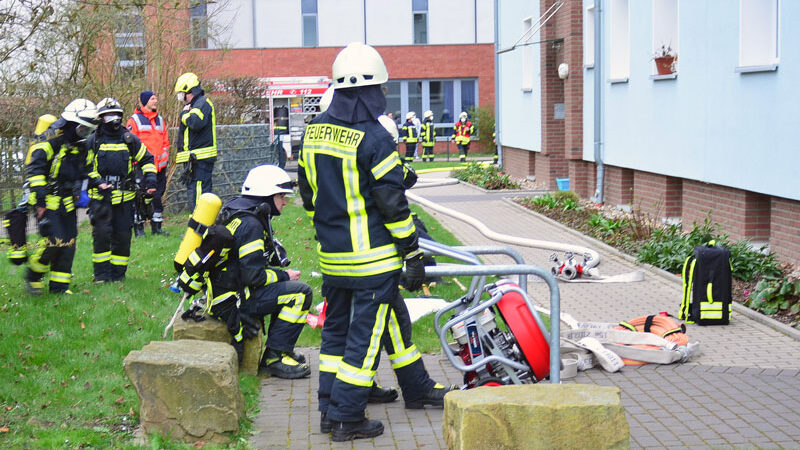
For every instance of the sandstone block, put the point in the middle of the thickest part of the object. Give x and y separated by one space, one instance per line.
188 389
212 329
536 416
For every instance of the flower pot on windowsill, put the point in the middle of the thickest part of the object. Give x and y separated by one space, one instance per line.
665 65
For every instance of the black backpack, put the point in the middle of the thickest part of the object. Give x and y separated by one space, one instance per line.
707 286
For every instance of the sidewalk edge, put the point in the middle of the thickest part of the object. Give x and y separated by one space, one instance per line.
738 307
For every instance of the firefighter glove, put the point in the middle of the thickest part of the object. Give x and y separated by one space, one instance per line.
415 270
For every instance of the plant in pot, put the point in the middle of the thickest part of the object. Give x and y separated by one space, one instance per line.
665 58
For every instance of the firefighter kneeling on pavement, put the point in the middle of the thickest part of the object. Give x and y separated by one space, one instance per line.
112 190
244 285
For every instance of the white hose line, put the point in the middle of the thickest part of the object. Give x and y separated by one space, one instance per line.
484 230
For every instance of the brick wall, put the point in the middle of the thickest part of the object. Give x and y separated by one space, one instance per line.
617 186
582 177
402 62
517 162
784 229
742 214
657 195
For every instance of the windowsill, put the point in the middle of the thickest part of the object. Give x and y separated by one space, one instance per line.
669 76
754 69
527 89
588 66
618 80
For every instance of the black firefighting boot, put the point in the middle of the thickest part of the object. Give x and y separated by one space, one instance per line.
282 365
347 431
138 229
155 227
434 397
325 424
379 394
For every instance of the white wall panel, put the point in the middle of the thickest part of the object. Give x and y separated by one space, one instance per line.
389 22
485 21
231 24
279 23
340 22
451 22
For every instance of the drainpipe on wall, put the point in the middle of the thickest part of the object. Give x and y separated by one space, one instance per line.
253 14
598 99
498 135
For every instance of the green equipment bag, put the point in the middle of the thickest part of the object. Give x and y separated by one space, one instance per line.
707 286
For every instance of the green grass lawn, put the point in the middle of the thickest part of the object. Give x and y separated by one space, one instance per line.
63 382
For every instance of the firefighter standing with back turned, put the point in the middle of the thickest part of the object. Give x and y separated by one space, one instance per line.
428 136
352 184
409 135
197 136
463 131
55 168
111 189
148 125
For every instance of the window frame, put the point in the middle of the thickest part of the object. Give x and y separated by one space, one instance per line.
619 57
132 37
416 9
527 57
447 127
198 24
588 37
769 60
309 15
663 35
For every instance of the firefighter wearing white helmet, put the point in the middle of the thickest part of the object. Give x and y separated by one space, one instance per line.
55 169
410 135
112 190
362 247
197 137
462 133
258 281
427 136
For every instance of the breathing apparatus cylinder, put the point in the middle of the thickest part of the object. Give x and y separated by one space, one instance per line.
205 213
43 123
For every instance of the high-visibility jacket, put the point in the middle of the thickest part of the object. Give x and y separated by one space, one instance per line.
463 131
408 132
351 183
55 168
149 126
113 154
428 134
197 132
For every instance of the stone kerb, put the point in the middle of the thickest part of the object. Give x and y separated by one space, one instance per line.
539 416
188 390
212 329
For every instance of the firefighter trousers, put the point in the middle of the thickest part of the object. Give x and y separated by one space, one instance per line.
411 148
286 303
463 149
111 233
56 250
406 360
427 152
201 180
351 341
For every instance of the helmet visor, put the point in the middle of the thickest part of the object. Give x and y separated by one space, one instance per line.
108 118
83 131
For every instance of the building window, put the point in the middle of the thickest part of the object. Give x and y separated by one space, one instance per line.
420 11
619 57
665 30
527 57
758 33
588 37
445 98
309 10
199 23
130 45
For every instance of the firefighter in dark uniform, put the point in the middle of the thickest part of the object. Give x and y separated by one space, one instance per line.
409 135
351 183
112 190
197 136
55 169
246 285
428 136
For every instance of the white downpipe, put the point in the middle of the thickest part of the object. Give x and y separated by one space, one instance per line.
594 257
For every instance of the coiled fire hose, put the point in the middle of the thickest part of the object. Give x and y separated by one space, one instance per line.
661 325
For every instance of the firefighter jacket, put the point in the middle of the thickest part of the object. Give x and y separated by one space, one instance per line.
463 131
197 133
351 183
409 133
241 268
428 134
149 126
113 153
55 170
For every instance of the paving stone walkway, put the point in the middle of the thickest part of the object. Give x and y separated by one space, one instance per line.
742 391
